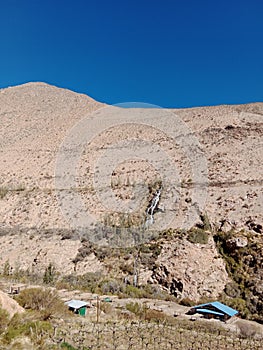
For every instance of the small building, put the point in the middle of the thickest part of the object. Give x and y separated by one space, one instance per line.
107 300
78 306
214 309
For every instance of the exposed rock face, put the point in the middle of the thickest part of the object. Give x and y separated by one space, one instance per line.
191 270
10 305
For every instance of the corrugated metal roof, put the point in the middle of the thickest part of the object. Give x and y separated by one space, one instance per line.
76 304
206 311
224 308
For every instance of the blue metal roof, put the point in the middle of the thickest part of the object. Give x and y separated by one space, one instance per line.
76 304
206 311
224 308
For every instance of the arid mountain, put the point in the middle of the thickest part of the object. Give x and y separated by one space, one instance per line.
35 120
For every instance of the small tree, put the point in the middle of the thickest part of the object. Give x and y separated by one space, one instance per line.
7 269
49 274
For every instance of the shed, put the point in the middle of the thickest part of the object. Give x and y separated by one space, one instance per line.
77 306
107 300
214 309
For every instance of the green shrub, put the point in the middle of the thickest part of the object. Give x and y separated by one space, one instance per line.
111 286
87 282
242 266
3 192
45 301
32 329
134 292
155 315
197 235
6 269
49 274
238 304
206 222
4 319
67 346
187 302
135 308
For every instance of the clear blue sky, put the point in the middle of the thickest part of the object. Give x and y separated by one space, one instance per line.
171 53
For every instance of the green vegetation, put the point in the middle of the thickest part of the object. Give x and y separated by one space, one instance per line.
4 319
49 274
143 334
3 192
32 329
6 269
197 235
135 308
206 225
244 292
67 346
143 328
45 301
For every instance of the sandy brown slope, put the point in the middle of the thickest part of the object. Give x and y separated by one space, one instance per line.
36 117
232 139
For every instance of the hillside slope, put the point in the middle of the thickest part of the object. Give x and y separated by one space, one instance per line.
36 118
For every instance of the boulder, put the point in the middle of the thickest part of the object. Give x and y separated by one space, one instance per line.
237 242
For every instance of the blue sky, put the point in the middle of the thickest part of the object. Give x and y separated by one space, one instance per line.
170 53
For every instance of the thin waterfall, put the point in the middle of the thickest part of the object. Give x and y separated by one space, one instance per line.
151 208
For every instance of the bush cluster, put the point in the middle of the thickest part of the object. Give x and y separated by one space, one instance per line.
197 235
244 292
44 301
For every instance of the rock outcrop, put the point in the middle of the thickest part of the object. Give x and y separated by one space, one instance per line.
10 305
188 270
